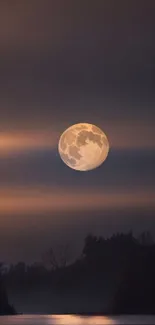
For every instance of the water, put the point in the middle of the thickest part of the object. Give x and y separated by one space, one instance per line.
75 320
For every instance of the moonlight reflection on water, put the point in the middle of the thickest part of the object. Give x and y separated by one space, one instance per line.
78 320
75 320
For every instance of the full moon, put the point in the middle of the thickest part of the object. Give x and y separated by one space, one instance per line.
83 146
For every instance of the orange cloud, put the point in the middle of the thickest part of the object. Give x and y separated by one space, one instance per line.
43 199
121 135
11 142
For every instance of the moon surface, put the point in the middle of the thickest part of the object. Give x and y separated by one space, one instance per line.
83 146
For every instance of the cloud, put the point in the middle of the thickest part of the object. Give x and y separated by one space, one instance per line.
30 201
43 167
12 143
121 135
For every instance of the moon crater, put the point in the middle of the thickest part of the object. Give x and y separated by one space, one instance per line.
83 146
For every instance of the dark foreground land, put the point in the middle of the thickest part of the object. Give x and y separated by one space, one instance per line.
112 276
5 307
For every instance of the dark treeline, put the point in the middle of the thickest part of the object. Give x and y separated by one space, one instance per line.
5 307
114 275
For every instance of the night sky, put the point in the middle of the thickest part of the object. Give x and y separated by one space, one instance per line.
61 63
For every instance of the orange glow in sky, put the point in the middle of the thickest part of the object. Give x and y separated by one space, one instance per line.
23 200
120 135
11 142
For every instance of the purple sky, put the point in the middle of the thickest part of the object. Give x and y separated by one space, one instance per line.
64 62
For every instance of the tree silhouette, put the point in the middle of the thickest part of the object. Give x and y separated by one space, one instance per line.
146 238
5 307
56 259
118 270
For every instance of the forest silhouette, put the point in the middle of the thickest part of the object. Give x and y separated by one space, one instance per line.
113 276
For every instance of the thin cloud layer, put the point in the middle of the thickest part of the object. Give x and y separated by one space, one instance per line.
28 201
121 135
14 142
